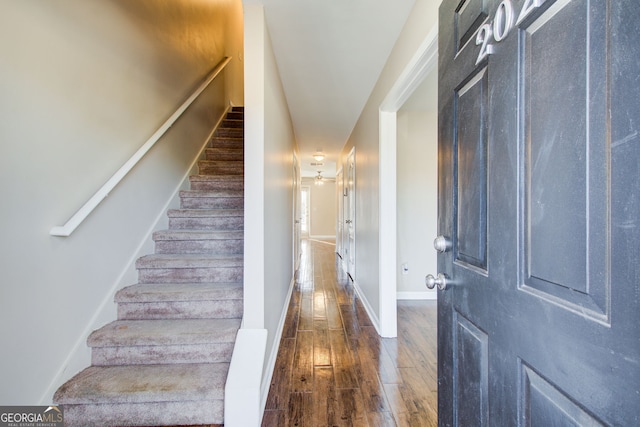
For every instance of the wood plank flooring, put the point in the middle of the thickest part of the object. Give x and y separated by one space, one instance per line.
333 369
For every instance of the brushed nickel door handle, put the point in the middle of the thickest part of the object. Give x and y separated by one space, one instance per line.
440 281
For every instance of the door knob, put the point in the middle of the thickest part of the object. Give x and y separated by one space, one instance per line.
442 244
348 221
432 282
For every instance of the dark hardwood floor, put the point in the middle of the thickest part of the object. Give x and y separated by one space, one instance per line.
333 369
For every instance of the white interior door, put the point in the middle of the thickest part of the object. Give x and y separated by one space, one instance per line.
340 207
296 214
351 215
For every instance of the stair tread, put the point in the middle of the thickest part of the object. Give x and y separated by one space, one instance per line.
204 213
189 261
162 292
165 332
145 383
200 234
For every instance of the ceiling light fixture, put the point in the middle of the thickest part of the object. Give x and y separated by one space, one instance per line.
318 156
319 178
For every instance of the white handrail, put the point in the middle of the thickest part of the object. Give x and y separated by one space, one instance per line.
77 219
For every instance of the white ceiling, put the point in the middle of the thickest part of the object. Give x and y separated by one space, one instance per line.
330 54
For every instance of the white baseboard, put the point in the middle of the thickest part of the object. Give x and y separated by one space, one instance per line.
271 363
316 237
367 306
424 295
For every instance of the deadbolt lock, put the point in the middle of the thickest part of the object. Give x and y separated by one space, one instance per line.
442 244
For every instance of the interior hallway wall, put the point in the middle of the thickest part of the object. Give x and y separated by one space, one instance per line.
417 201
84 84
269 149
366 138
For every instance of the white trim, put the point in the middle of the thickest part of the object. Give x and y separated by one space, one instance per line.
425 295
86 209
352 215
388 233
254 166
423 61
80 355
295 212
271 363
340 213
242 392
320 236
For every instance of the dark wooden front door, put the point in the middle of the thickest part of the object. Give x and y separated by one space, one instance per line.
539 199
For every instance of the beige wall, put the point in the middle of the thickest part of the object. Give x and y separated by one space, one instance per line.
84 84
417 200
365 137
322 209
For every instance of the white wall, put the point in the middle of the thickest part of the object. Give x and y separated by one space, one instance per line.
322 209
269 150
83 85
365 137
417 201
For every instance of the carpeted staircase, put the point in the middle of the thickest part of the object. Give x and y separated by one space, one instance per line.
165 360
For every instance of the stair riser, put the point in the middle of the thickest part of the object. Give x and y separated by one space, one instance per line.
210 223
217 309
217 184
223 192
161 354
227 142
230 132
235 115
212 202
224 154
230 247
145 414
190 275
231 123
220 168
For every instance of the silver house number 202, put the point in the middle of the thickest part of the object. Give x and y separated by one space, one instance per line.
498 29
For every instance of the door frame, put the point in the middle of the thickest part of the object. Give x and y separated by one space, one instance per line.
296 214
422 63
340 215
350 207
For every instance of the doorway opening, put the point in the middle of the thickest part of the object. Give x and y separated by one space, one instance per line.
304 210
318 209
410 81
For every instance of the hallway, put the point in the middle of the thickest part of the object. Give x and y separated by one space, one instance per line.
333 369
